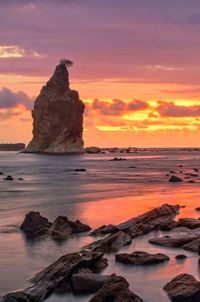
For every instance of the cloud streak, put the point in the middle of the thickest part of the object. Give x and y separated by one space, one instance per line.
11 100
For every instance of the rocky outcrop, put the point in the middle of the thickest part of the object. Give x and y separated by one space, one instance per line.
34 223
115 290
183 288
57 117
141 258
88 283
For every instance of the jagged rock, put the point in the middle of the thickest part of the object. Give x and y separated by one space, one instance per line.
109 244
59 228
57 117
88 283
183 288
52 277
115 290
173 241
190 223
174 178
141 258
144 223
9 177
35 224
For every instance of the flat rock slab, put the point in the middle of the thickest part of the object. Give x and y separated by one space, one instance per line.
144 223
183 288
193 246
141 258
173 241
88 283
190 223
110 243
115 290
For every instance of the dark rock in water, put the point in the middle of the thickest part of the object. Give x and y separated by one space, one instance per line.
80 170
144 223
77 226
173 241
183 288
168 225
181 257
20 178
193 246
88 283
190 223
57 117
196 170
51 278
9 177
191 181
174 178
197 209
141 258
115 290
109 244
117 159
191 174
1 173
35 224
59 228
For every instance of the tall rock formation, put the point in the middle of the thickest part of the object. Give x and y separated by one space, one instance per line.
57 117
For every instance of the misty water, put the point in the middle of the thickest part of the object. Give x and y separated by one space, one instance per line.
108 192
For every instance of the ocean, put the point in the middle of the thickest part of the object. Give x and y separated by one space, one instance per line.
107 192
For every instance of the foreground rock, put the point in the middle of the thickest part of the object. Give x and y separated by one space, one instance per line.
190 223
54 276
141 258
9 177
183 288
144 223
57 117
174 178
35 224
88 283
115 290
110 243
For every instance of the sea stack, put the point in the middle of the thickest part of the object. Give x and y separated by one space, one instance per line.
57 116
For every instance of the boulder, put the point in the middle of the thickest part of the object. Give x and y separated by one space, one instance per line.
115 290
59 228
9 177
88 283
57 117
193 246
174 178
181 257
34 224
183 288
141 258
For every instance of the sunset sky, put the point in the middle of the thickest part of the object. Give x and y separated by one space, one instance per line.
136 67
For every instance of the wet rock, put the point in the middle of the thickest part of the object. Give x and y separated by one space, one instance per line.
173 241
80 170
196 170
197 209
193 246
168 225
20 178
174 178
52 277
35 224
115 290
181 257
57 117
110 243
88 283
77 226
141 258
1 173
144 223
117 159
190 223
191 174
183 288
59 228
9 177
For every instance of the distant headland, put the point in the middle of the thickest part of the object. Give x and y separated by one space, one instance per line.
12 147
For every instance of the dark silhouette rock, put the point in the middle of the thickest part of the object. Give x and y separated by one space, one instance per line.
57 117
183 288
144 223
141 258
80 170
173 241
88 283
35 224
174 178
115 290
181 257
117 159
197 209
190 223
9 177
1 173
192 246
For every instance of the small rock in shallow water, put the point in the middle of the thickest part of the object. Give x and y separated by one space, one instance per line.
181 257
20 178
183 288
9 177
141 258
1 173
80 170
174 178
35 224
88 283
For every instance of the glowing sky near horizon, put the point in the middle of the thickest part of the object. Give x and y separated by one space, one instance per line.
137 67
